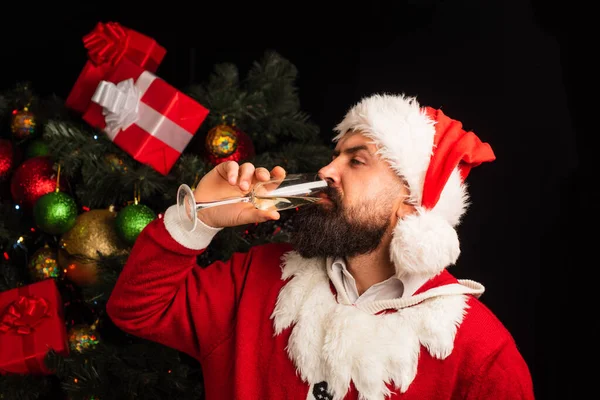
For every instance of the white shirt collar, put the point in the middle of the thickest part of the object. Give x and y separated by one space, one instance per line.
391 288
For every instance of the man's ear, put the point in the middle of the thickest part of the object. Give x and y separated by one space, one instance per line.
405 208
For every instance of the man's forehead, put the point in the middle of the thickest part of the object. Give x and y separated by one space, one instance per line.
354 139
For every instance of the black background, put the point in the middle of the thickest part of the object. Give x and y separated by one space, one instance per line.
515 72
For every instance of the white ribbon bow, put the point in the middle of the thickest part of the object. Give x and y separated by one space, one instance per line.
120 104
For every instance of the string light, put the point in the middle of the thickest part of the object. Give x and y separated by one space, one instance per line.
19 243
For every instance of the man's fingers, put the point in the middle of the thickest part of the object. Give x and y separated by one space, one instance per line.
252 215
230 171
278 172
246 174
265 215
262 174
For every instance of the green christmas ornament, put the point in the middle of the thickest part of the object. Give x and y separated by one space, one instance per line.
131 220
37 148
55 212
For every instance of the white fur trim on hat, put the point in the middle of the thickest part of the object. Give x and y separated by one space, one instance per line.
426 242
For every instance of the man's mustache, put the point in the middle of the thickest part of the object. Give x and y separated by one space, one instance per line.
333 195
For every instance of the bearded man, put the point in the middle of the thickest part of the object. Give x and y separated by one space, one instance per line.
360 304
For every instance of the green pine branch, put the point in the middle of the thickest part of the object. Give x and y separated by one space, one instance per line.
84 155
134 369
27 387
108 268
264 104
10 277
21 95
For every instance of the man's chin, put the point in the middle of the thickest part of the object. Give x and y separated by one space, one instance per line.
322 230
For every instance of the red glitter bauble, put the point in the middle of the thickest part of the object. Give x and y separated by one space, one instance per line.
33 179
228 143
7 158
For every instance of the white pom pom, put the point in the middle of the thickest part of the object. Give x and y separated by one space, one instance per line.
423 244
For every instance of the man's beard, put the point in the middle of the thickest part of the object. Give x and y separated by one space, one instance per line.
331 231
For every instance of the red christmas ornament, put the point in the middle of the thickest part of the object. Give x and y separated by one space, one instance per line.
228 143
7 158
33 179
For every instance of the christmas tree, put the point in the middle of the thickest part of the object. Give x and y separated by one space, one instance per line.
73 201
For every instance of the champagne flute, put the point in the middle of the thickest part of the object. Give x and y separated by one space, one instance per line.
294 190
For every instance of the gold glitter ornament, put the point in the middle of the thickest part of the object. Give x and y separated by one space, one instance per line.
22 124
94 232
43 264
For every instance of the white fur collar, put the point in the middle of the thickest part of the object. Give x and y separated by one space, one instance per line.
338 344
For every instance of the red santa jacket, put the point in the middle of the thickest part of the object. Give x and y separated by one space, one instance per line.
266 325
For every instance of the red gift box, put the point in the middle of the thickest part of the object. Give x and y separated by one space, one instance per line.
31 323
107 45
145 116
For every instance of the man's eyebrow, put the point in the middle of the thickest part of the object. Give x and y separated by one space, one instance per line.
352 150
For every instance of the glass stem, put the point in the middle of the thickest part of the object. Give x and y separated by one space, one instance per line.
200 206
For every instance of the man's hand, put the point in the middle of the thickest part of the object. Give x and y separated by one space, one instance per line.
229 179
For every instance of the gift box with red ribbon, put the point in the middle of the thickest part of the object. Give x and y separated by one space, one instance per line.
107 45
31 323
145 116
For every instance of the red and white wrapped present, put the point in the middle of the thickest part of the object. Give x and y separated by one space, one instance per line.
144 115
107 44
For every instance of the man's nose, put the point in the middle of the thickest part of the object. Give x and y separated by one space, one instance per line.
329 174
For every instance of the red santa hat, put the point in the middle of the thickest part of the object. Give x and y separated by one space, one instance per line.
434 155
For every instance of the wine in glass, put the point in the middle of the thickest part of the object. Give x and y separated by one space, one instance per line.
294 190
